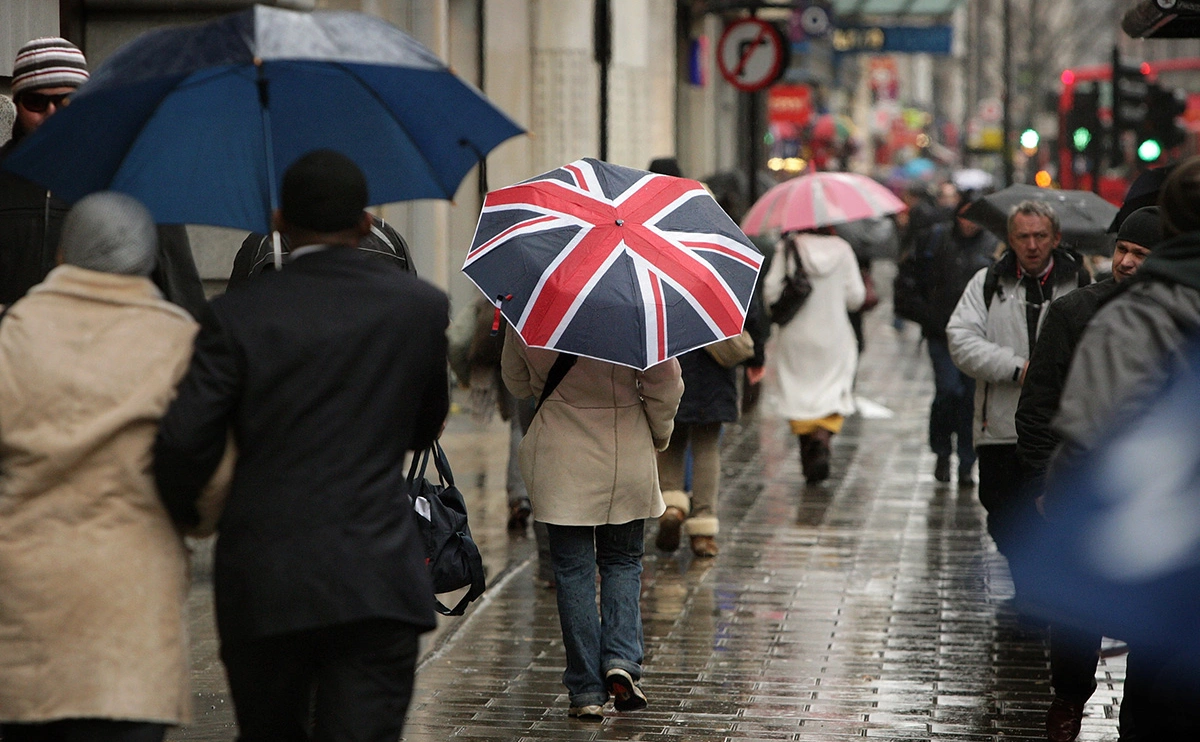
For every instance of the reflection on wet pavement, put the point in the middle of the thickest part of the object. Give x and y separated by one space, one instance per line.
870 606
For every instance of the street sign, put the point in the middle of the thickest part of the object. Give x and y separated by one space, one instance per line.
750 54
791 104
892 39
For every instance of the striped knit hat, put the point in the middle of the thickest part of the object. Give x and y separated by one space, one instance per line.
49 62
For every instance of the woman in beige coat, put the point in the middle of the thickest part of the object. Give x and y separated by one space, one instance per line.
588 461
93 576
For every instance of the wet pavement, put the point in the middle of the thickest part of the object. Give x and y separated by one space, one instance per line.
871 606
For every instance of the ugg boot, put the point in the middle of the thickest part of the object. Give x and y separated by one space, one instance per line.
703 530
670 523
814 455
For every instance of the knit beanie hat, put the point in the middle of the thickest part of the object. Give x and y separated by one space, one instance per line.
110 232
1142 227
49 62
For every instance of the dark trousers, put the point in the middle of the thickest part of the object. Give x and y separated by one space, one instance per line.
1011 515
84 730
1162 696
1074 654
349 683
952 414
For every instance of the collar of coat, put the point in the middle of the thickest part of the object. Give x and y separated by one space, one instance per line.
110 288
1177 261
1066 265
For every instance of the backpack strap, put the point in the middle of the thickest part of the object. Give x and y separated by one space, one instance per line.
991 283
558 371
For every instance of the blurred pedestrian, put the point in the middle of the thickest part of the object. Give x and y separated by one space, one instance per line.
933 281
991 333
1074 653
1123 358
46 73
710 398
320 580
589 462
93 575
815 354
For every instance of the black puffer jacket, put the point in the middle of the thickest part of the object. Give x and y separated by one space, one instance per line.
1065 322
941 272
30 226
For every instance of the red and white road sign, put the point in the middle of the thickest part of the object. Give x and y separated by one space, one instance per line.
750 54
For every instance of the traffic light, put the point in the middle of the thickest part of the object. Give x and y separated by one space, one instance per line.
1083 119
1162 122
1030 140
1130 105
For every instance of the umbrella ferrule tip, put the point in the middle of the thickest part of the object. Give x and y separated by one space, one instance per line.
620 222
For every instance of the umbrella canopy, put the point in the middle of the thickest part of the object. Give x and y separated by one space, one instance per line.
1084 216
613 263
819 200
972 179
199 122
1121 555
1143 191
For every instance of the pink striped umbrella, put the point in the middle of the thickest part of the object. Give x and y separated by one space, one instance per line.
819 200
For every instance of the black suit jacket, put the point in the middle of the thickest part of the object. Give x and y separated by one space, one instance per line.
327 372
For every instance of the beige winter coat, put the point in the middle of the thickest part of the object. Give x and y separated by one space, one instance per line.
588 458
93 576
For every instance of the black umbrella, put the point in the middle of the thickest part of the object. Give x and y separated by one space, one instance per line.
1143 191
1084 216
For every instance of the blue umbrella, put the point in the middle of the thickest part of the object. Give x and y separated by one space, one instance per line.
199 122
1122 553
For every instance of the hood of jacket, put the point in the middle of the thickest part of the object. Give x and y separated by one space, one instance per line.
821 253
1177 260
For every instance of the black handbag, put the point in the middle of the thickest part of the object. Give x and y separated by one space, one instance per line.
452 555
796 287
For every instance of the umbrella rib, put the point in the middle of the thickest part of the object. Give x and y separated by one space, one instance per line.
371 91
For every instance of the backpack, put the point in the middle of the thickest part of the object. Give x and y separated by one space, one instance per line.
909 286
452 555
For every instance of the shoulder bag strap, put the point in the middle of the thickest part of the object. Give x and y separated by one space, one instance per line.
558 371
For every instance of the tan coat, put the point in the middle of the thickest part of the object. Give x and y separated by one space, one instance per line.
588 458
93 576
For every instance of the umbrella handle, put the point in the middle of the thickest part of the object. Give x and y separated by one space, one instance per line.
500 299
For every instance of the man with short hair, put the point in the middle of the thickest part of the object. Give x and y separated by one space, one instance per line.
326 372
991 333
1074 652
46 73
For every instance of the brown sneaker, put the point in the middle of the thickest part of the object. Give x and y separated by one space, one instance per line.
704 546
669 525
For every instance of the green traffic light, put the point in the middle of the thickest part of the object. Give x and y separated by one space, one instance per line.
1149 150
1081 137
1029 139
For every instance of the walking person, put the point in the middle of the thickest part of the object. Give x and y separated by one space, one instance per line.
710 398
1074 652
815 355
320 580
588 461
46 73
93 574
991 333
934 280
1124 356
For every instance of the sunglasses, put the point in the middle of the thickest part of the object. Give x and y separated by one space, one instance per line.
39 102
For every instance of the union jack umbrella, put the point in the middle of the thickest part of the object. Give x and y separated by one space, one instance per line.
819 200
613 263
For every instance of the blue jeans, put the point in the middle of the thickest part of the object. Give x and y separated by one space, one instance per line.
597 642
953 409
